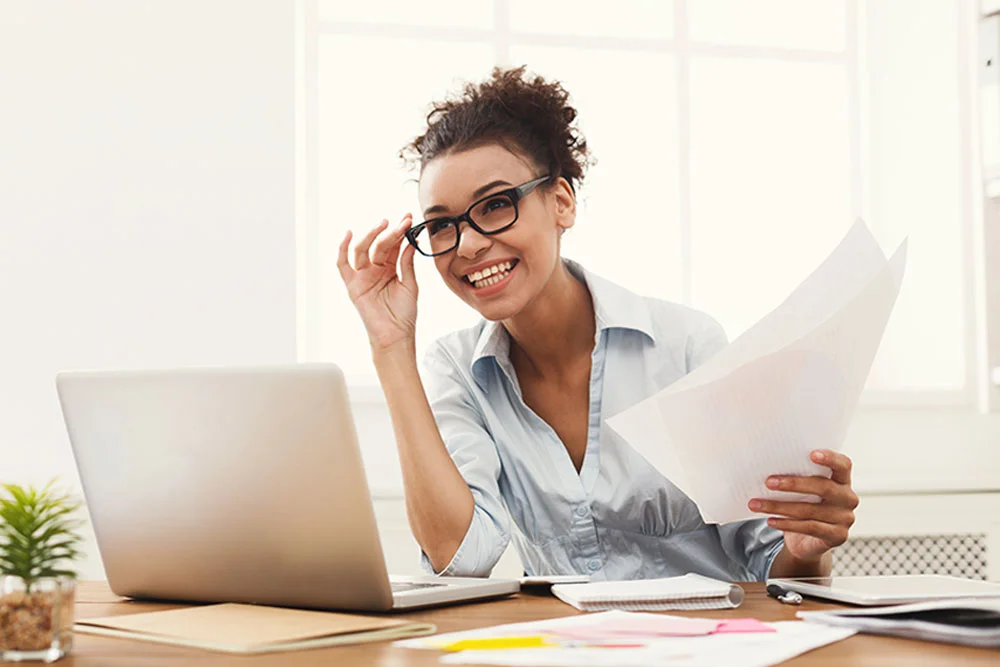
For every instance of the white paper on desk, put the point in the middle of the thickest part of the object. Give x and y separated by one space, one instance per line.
787 386
740 650
516 629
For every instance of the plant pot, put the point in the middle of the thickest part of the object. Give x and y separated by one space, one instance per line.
36 622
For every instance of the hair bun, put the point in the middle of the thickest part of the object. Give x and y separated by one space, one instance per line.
509 106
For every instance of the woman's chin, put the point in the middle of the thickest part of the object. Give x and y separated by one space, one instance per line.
496 303
496 311
497 314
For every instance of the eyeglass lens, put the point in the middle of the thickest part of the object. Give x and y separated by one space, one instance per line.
491 215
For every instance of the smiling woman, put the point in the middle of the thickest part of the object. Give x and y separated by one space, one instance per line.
502 435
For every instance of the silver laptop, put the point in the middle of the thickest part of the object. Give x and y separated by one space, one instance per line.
236 485
890 589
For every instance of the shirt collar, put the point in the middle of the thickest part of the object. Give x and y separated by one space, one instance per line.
614 308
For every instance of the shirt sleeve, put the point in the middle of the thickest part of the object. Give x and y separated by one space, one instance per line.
475 454
751 543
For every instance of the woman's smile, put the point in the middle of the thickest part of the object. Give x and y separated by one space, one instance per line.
490 279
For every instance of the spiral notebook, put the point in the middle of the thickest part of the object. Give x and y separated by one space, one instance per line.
691 591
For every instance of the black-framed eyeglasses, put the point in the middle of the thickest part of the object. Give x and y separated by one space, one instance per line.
490 215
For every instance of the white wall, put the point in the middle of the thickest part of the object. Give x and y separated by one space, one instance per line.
147 199
147 218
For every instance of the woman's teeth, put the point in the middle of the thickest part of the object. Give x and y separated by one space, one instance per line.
490 275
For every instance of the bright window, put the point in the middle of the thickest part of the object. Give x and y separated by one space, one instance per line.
736 143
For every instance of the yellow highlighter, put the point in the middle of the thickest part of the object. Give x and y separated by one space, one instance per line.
497 643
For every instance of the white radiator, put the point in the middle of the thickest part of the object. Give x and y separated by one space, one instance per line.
959 555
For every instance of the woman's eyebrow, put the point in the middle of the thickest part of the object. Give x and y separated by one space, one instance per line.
479 192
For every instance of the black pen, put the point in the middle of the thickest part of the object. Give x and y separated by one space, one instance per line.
782 595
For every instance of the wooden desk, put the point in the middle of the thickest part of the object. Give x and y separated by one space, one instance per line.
94 599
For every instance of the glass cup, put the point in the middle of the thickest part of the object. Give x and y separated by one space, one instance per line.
36 622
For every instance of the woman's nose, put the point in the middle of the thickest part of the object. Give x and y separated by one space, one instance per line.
471 243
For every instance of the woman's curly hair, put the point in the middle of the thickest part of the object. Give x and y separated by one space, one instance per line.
524 113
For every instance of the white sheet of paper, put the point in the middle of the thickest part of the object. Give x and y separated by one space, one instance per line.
746 649
852 265
517 629
787 386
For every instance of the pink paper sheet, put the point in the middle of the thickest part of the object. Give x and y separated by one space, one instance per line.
743 625
654 625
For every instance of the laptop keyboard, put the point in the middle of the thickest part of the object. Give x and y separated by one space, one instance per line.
400 586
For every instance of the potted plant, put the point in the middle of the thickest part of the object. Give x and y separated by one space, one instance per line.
38 541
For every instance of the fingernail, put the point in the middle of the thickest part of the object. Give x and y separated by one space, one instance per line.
819 457
773 482
772 522
755 505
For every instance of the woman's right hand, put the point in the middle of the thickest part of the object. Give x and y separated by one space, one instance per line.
385 299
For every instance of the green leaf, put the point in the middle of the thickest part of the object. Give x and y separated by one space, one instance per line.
38 531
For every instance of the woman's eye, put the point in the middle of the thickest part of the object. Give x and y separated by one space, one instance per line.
439 226
496 204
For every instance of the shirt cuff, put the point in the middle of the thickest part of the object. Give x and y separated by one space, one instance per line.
476 555
769 558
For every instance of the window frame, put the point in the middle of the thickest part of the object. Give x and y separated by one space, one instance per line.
312 30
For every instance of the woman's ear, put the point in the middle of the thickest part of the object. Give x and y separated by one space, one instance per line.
565 201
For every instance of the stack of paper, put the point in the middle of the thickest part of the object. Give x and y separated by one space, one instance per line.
968 622
617 638
787 386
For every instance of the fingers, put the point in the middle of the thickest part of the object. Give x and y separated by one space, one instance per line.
408 275
839 463
385 253
827 489
387 249
361 260
815 511
833 534
343 265
829 520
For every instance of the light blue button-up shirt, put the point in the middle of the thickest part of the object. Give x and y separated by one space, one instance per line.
618 518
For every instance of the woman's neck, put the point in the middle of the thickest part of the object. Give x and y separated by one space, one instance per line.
556 329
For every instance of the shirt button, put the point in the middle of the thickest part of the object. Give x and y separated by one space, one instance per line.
594 565
582 510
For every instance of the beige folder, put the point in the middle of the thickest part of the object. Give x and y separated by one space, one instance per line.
250 629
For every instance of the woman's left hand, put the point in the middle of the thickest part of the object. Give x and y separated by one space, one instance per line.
812 529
